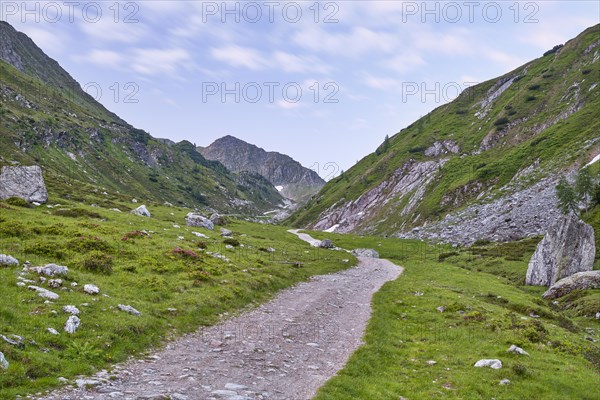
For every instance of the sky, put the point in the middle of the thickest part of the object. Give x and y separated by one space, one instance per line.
323 82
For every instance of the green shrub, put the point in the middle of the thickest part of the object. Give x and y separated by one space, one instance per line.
534 87
77 213
98 262
501 121
519 369
443 256
232 242
530 98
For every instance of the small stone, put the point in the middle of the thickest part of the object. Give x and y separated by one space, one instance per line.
431 362
505 382
517 350
441 309
55 283
491 363
3 363
235 386
87 383
129 309
71 310
53 331
223 393
91 289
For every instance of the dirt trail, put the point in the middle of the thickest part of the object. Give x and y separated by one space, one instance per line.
285 349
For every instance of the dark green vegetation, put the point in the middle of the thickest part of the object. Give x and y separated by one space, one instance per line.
548 117
137 261
487 309
46 119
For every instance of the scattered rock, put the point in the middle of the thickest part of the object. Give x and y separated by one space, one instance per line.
72 324
517 350
226 232
194 219
567 248
26 183
598 315
50 270
71 310
505 382
326 244
91 289
236 387
55 283
87 383
45 293
578 281
443 147
431 362
441 309
3 363
8 260
14 340
494 364
365 253
201 235
142 211
129 309
52 331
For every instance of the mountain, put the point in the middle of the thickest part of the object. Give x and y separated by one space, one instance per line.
47 119
294 181
483 166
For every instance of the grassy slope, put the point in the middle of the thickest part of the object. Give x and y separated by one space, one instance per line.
487 310
542 94
146 275
109 151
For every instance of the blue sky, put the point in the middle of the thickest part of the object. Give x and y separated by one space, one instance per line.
321 81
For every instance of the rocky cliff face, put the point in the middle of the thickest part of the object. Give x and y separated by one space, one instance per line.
294 181
485 166
567 248
26 183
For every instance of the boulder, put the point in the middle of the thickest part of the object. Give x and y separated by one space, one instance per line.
72 324
8 260
50 270
578 281
365 253
3 362
71 310
326 244
218 219
129 309
45 293
567 248
494 364
142 211
91 289
55 283
26 183
194 219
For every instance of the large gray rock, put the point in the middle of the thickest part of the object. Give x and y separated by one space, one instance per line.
26 183
45 293
567 248
3 362
50 270
8 260
326 244
129 309
578 281
491 363
193 219
72 324
142 211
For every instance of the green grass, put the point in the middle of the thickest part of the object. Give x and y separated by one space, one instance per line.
153 273
487 310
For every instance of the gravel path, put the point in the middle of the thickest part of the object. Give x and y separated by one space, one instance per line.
285 349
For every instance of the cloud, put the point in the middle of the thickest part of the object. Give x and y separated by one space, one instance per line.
107 30
238 56
293 63
381 82
357 41
405 63
160 61
104 58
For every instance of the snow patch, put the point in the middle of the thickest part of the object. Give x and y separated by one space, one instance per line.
332 229
279 188
593 161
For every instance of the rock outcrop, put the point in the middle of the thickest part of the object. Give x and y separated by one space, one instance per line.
579 281
26 183
567 248
365 253
197 220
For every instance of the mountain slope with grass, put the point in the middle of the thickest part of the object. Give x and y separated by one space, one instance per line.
292 179
48 120
481 167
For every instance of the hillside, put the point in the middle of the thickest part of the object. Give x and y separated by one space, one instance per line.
47 119
294 181
481 167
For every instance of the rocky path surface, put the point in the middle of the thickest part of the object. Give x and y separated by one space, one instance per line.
285 349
